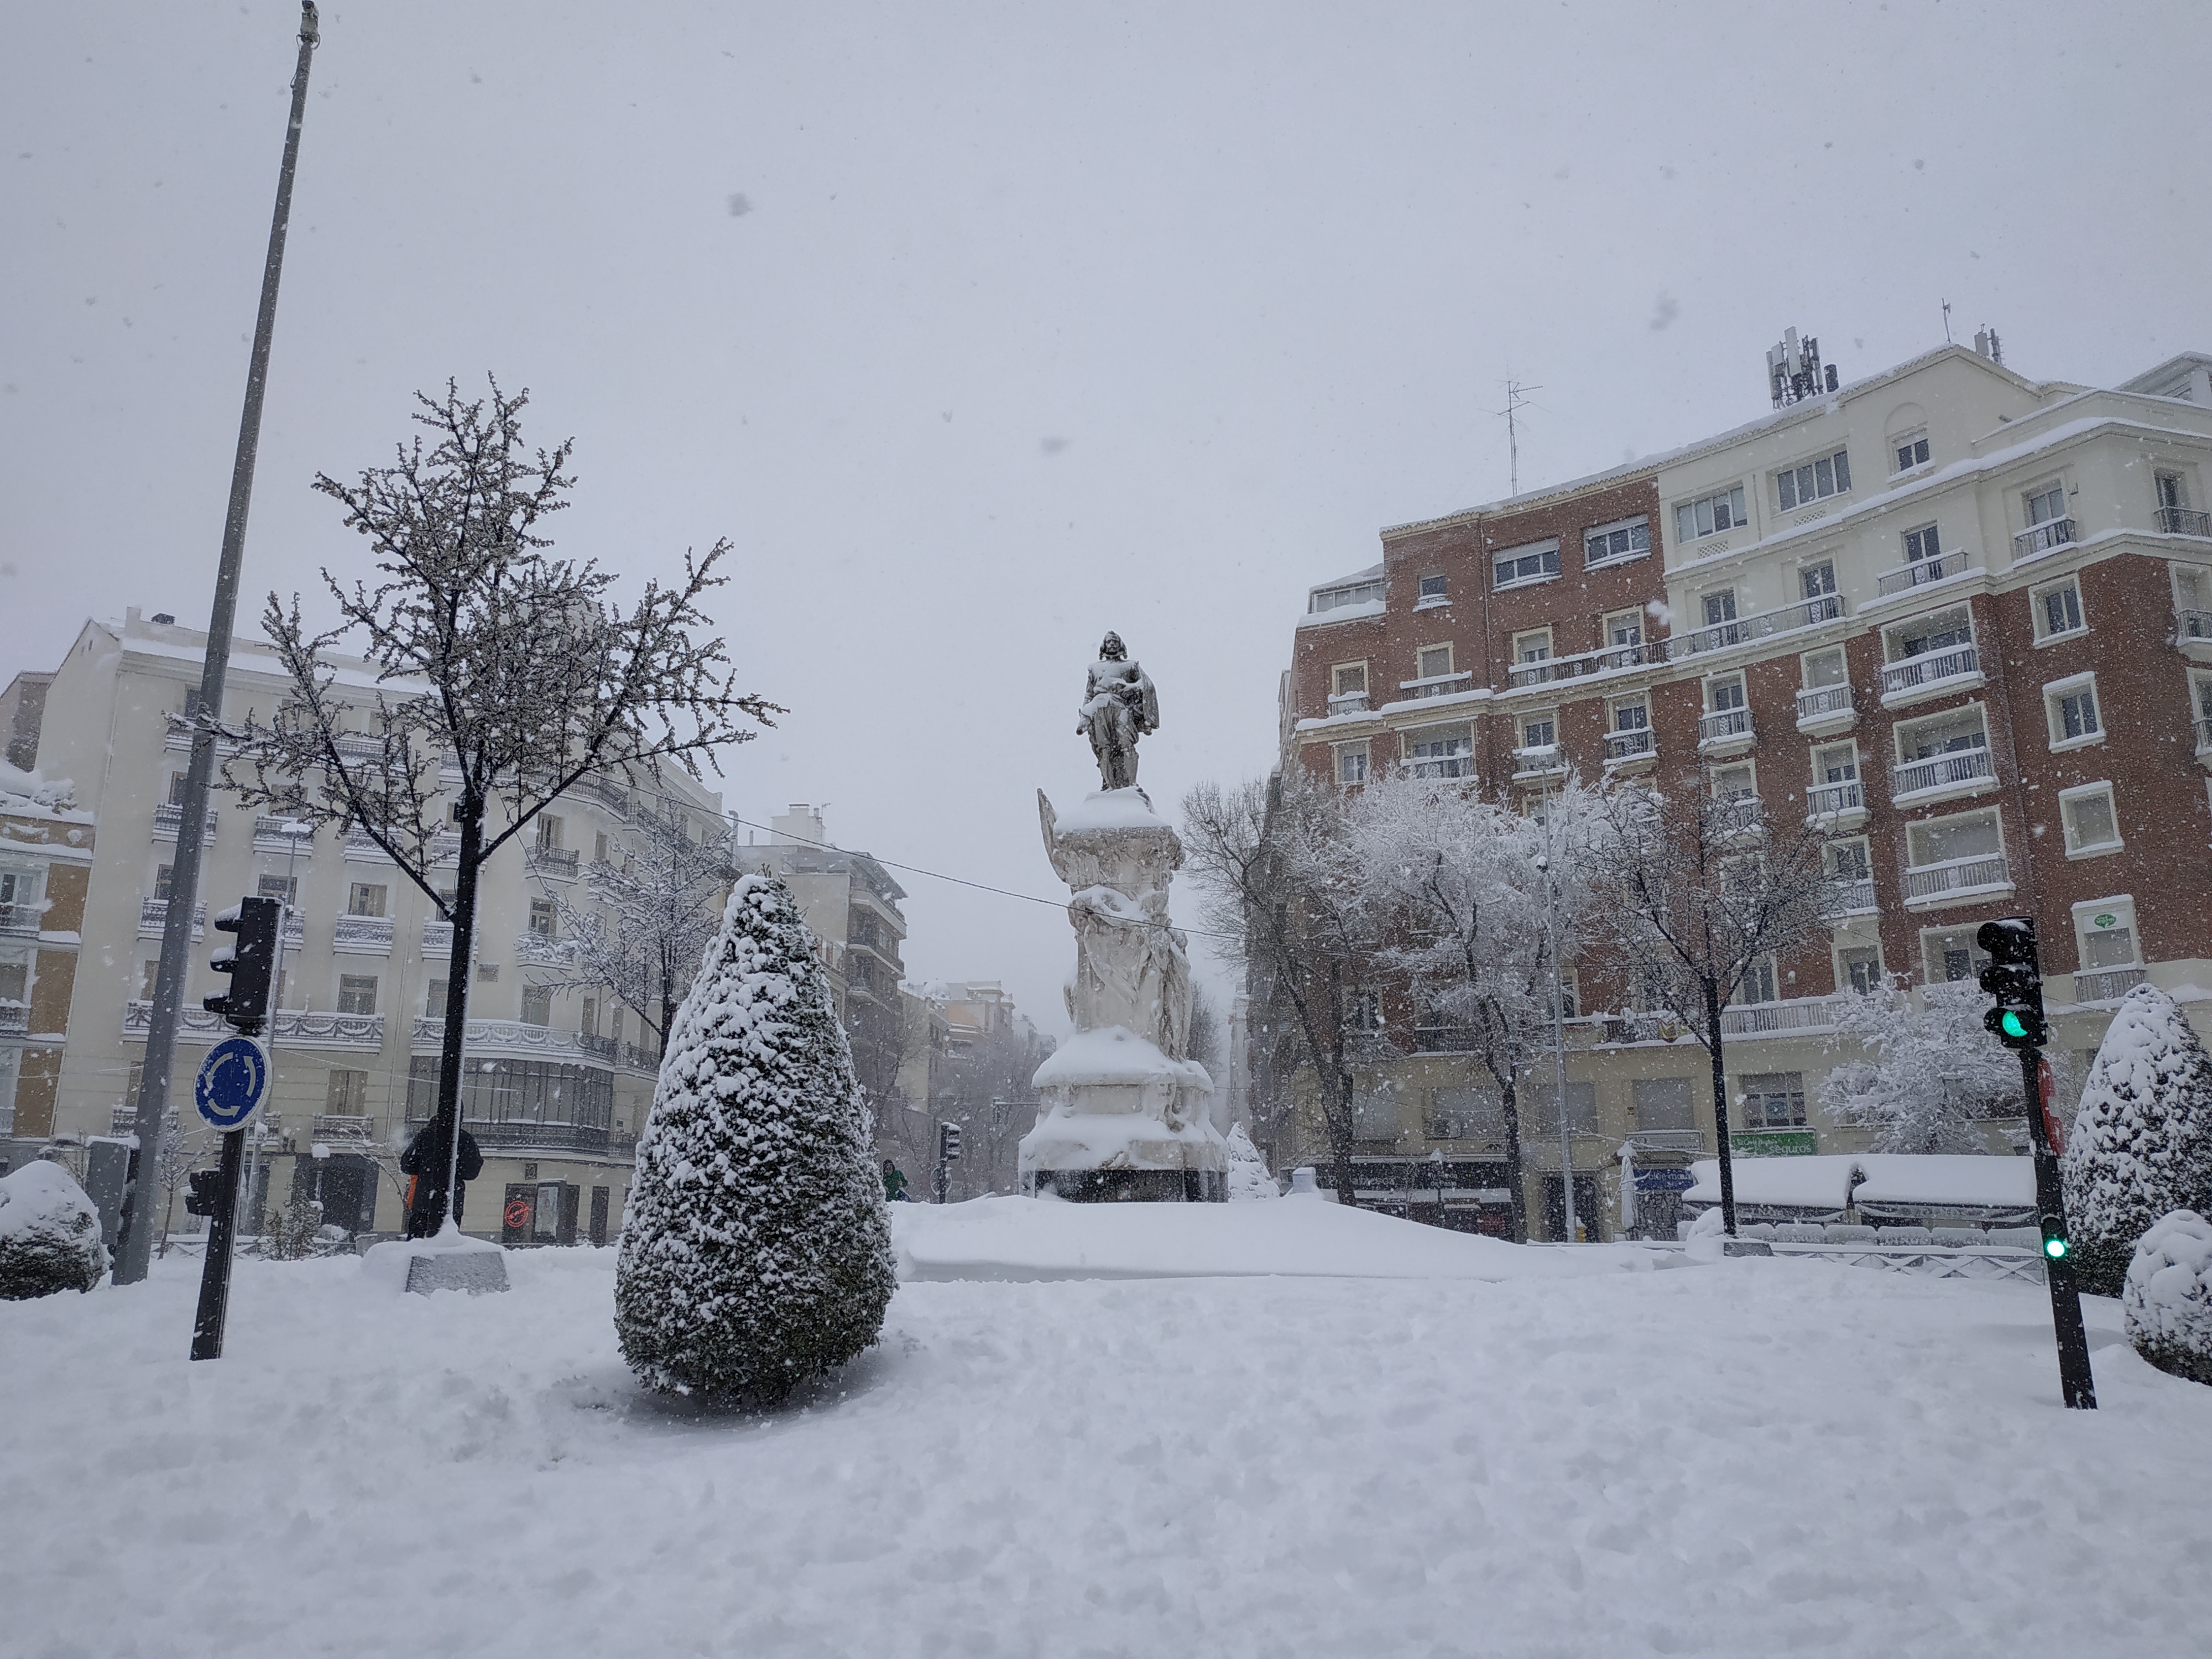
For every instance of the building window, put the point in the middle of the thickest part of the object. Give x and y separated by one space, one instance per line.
366 898
1526 564
2105 933
1946 630
1837 763
1631 714
2092 826
1610 544
1432 591
285 889
1739 782
1952 955
1815 481
1909 451
549 832
2057 609
356 993
2046 504
537 1004
1772 1100
1543 1108
1847 860
1971 836
1624 627
1709 515
1924 543
2071 708
1723 692
1719 607
1467 1113
545 918
1351 762
1858 968
1662 1102
1362 1011
1817 581
1539 731
346 1094
1348 679
1535 646
1441 751
1434 661
1953 733
1759 982
1822 669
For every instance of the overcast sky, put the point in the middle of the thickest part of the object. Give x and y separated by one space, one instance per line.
981 330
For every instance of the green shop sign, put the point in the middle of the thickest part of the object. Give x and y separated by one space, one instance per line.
1775 1143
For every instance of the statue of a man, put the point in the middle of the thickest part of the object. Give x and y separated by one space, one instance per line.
1119 705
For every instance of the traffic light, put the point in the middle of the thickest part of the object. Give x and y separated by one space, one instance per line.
2054 1238
2016 979
251 963
201 1190
948 1141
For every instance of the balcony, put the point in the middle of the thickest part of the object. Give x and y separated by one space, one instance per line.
1831 804
1721 636
358 746
1631 748
514 1037
546 947
2039 539
285 836
1826 709
1724 730
605 1048
2109 985
1962 771
610 795
360 845
1667 1141
438 939
2192 632
343 1126
1738 815
1443 1039
363 935
21 919
154 916
168 818
1850 897
1954 668
293 931
1349 703
297 1028
1541 759
1436 686
1954 880
560 862
15 1018
1794 1014
588 1139
1920 572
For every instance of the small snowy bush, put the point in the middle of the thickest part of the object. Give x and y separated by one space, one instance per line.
2167 1302
49 1234
756 1247
2142 1144
1248 1170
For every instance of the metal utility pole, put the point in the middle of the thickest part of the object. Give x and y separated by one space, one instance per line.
1567 1226
1511 412
135 1245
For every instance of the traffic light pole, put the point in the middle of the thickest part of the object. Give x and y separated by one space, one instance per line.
2076 1381
215 1273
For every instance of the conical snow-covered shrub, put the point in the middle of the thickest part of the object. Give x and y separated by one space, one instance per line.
756 1247
1248 1170
2142 1144
2167 1302
49 1234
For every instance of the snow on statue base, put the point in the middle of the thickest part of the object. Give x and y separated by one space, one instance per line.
450 1261
1123 1110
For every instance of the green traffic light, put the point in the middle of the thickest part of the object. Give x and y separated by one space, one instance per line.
2014 1026
2054 1248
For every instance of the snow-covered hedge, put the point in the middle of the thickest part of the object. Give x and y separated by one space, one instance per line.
49 1234
755 1246
2142 1144
2168 1299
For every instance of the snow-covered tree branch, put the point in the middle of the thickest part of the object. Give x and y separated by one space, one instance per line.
1933 1070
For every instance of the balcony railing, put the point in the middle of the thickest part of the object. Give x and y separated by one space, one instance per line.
154 916
1940 772
1612 657
1721 636
2183 521
21 919
280 835
1920 572
2193 624
1738 815
1667 1141
609 794
605 1047
2203 734
445 844
1436 686
344 1126
1930 668
169 819
2041 539
359 844
2106 986
1829 800
299 1027
1768 1018
553 861
1349 703
1957 876
15 1018
508 1035
363 935
358 746
1726 725
295 930
1443 1039
1823 703
1538 760
438 939
1850 899
1632 745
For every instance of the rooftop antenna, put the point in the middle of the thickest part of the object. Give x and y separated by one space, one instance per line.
1513 402
1794 369
1947 322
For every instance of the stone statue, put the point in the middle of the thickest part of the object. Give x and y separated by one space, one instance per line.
1119 705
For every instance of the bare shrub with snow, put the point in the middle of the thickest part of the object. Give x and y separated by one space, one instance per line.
49 1234
1933 1070
2142 1144
756 1248
2168 1300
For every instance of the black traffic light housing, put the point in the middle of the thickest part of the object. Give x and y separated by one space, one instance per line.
251 963
948 1141
2015 978
203 1190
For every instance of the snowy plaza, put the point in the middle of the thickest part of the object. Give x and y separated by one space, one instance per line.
1518 1452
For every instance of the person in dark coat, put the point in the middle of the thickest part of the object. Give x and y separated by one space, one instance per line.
424 1157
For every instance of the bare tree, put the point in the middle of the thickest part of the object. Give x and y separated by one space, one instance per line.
502 677
1702 894
656 913
1274 864
1462 888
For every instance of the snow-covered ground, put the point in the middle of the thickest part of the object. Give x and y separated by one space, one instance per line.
1752 1458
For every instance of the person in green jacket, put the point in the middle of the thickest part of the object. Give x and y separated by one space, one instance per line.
894 1182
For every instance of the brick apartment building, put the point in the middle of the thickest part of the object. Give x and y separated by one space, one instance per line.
1960 619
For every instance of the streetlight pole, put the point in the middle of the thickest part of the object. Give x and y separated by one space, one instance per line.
135 1245
1559 1039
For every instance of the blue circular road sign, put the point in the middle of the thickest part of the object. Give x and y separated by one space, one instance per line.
232 1082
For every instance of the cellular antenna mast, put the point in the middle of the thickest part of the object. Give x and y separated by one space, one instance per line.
1513 402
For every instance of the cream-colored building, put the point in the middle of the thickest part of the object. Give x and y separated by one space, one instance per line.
558 1080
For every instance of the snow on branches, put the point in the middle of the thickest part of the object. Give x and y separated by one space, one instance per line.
1933 1070
756 1248
2168 1300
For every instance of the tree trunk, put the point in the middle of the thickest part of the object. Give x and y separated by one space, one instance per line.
1339 1137
1516 1180
1720 1105
427 1214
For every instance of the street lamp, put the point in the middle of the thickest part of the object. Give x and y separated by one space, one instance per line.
1567 1225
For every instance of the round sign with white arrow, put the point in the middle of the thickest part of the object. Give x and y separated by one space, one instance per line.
232 1082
